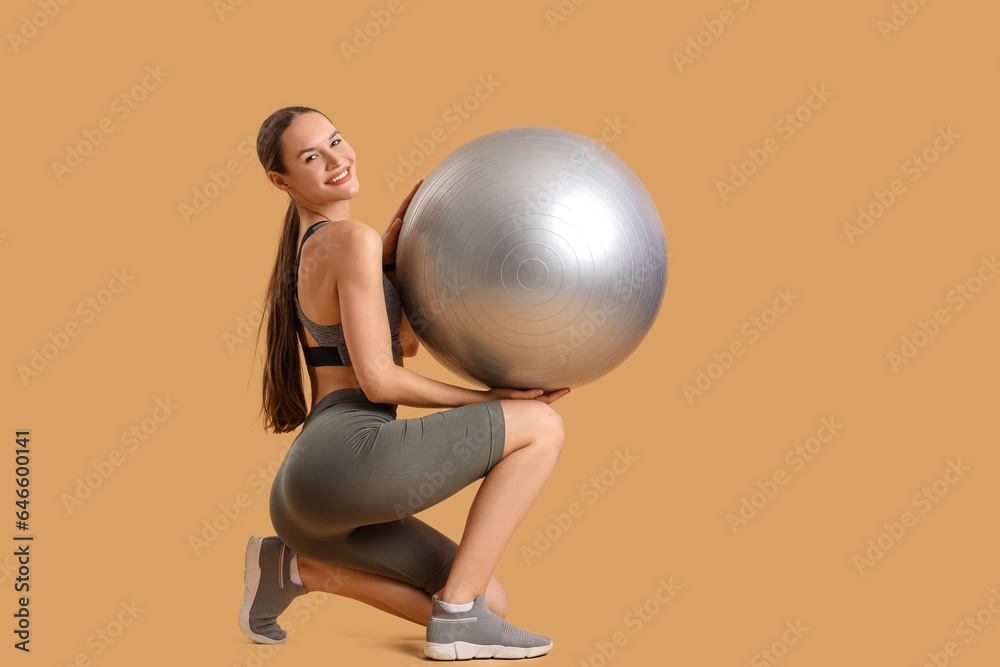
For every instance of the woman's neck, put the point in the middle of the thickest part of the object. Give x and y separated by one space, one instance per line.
312 213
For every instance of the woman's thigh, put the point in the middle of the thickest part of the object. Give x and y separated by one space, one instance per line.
423 460
349 469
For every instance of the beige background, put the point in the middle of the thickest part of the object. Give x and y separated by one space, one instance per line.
176 332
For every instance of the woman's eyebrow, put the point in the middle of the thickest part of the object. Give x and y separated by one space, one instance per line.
311 148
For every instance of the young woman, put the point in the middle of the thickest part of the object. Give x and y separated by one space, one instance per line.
343 499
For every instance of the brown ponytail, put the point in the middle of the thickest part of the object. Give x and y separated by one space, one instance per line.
284 403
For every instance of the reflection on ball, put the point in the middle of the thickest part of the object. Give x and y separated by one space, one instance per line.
531 257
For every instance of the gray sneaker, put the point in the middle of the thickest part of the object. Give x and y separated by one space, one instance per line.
268 589
478 633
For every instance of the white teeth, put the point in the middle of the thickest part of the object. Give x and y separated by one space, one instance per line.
337 178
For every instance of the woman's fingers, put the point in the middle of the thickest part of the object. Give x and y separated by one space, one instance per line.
517 394
552 396
525 393
538 394
401 211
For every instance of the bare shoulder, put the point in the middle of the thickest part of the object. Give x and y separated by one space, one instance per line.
342 250
357 232
359 241
341 240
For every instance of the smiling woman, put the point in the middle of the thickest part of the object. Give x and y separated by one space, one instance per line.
340 502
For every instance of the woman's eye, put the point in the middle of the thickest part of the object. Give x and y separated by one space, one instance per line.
335 142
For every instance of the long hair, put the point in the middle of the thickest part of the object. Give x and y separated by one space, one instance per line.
284 403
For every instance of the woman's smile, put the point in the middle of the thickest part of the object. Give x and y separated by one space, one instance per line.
341 177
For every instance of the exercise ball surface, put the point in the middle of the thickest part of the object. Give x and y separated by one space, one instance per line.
531 257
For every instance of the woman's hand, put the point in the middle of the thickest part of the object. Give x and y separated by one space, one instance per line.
537 394
392 231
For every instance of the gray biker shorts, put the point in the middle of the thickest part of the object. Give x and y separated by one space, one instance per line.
354 476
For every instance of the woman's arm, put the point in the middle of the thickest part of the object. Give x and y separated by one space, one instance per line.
366 331
408 338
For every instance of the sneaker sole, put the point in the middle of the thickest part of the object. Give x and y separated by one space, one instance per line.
467 651
251 581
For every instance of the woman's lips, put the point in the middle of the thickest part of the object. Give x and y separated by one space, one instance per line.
349 176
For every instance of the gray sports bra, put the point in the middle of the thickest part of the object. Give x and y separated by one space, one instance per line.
332 350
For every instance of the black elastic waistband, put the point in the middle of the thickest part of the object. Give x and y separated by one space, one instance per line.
351 395
322 356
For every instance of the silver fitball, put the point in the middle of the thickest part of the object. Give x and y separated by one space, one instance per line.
531 257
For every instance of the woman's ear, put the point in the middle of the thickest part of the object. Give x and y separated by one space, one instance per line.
277 180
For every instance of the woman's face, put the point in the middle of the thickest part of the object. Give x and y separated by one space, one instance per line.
315 154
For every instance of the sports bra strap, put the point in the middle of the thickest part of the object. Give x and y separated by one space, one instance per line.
305 236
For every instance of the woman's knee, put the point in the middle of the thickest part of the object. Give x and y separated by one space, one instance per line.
530 422
550 427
